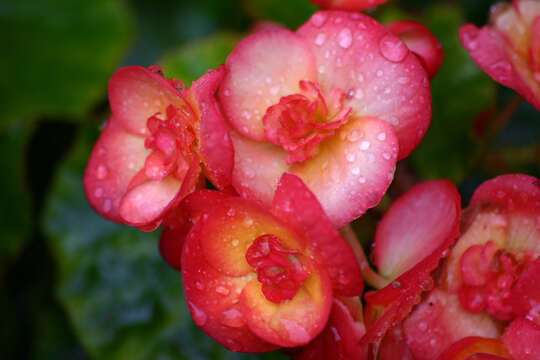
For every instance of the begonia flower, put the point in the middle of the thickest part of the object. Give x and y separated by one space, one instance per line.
490 276
336 103
157 143
421 42
508 49
350 5
256 280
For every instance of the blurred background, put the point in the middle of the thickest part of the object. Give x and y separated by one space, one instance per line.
74 286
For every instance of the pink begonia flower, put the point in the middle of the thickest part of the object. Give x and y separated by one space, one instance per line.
257 279
350 5
157 143
421 42
508 49
490 275
336 103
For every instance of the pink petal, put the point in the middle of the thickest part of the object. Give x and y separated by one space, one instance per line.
116 157
487 48
416 224
147 201
136 93
522 339
525 294
216 149
517 193
439 321
171 243
348 4
297 206
421 42
381 77
261 69
353 169
257 168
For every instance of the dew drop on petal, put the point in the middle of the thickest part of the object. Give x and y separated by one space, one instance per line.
233 318
199 316
350 157
345 38
222 290
381 136
392 48
107 205
101 172
364 145
319 39
355 171
99 192
362 180
318 19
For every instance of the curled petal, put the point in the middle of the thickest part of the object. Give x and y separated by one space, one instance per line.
421 42
116 158
475 347
136 93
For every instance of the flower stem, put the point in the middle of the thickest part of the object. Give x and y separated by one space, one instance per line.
370 276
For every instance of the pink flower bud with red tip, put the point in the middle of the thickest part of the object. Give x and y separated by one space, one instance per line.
154 148
350 5
336 103
421 42
256 280
508 49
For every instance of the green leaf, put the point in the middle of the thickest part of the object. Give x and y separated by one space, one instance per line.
460 92
58 55
190 61
15 210
123 299
291 13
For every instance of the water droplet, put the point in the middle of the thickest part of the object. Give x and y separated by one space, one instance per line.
222 290
364 145
318 19
235 242
403 80
354 136
355 171
199 285
396 284
231 212
227 92
233 318
338 20
350 157
99 192
319 39
501 194
321 69
268 80
381 136
379 73
199 316
107 205
234 345
422 326
359 94
345 38
392 48
386 156
101 172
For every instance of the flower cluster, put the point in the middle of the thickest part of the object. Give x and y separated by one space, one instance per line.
300 133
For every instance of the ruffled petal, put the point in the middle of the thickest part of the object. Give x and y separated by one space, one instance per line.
474 347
